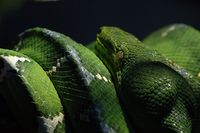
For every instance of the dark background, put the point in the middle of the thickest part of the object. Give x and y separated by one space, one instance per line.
81 19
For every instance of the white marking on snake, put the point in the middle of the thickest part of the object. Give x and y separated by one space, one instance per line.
99 76
102 77
13 60
58 64
51 33
105 79
60 61
53 68
49 125
164 34
106 128
11 63
86 74
199 74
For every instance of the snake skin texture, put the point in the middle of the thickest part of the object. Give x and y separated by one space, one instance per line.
118 84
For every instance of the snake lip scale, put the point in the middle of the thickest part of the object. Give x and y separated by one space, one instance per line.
117 84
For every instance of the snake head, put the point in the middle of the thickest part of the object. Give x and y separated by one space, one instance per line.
110 52
114 47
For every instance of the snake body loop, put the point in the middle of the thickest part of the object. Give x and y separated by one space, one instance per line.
29 95
82 81
180 43
149 84
50 83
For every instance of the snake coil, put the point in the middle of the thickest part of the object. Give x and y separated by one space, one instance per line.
49 83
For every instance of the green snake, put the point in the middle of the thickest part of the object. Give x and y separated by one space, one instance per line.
50 83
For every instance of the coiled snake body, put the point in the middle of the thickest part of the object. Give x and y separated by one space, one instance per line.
122 86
